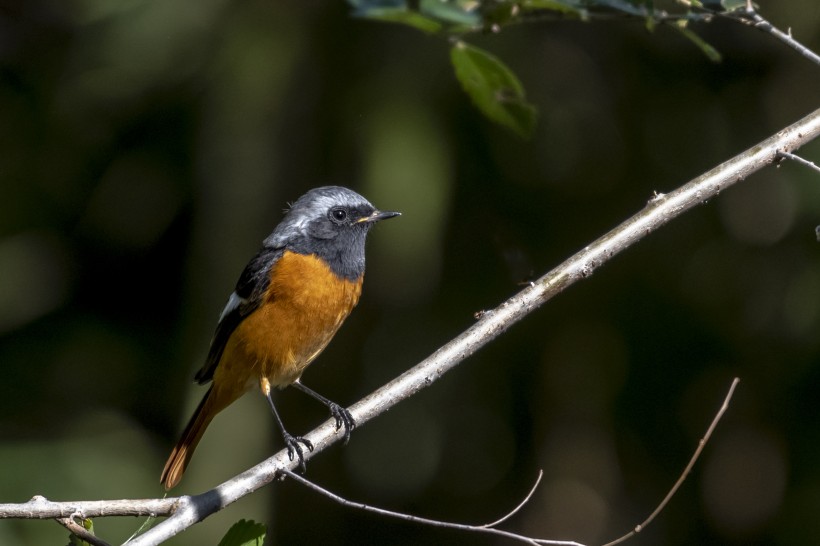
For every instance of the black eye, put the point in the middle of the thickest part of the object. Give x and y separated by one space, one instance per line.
338 215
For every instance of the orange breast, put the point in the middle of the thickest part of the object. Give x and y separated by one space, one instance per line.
305 305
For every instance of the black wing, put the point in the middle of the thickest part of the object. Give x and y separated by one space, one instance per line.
246 298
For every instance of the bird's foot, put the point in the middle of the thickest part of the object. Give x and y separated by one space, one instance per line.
292 443
343 418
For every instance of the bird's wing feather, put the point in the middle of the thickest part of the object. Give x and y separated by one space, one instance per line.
245 299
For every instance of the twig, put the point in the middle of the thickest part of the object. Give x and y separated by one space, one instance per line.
490 528
487 529
185 511
145 525
797 158
749 16
41 508
515 510
635 13
641 526
81 532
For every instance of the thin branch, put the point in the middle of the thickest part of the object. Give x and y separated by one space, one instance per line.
185 511
797 158
145 525
487 529
81 532
751 17
490 528
641 526
747 16
41 508
524 501
636 13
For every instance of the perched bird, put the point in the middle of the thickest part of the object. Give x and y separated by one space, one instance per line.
287 305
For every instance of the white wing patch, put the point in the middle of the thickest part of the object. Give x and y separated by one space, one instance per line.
233 302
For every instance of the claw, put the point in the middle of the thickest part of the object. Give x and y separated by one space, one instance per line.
340 414
342 417
292 443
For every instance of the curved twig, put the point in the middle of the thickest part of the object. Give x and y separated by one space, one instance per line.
490 528
487 529
515 510
641 526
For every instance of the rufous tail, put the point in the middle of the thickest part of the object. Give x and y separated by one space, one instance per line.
184 450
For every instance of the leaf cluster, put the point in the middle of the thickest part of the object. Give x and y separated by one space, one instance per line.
492 86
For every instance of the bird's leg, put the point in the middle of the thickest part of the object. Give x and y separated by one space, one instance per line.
340 414
292 442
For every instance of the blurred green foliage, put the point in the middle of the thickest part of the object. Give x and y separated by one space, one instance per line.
147 147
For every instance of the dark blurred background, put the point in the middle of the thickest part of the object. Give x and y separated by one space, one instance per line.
147 147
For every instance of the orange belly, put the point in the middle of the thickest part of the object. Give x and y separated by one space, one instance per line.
304 306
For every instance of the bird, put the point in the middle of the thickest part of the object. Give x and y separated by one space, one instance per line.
288 303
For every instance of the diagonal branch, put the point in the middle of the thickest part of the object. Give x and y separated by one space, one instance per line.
760 23
660 210
185 511
798 159
750 16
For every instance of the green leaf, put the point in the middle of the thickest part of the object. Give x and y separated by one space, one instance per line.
623 6
569 7
462 13
403 16
365 5
712 53
720 6
493 88
735 5
244 533
74 540
555 5
431 16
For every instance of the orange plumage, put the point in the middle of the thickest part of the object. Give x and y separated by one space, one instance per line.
289 301
304 306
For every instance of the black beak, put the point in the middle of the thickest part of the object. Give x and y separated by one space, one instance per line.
377 215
